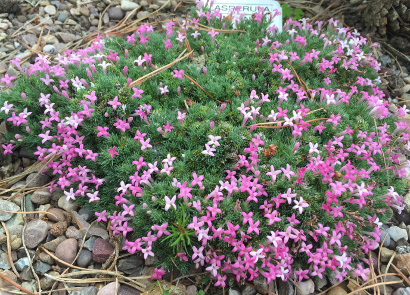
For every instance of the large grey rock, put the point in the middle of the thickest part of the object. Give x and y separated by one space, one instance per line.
260 282
34 180
49 49
89 244
396 233
26 274
41 196
248 290
50 9
129 264
4 261
41 267
93 230
86 213
115 13
67 206
21 263
14 224
128 5
29 39
66 37
34 233
31 286
305 288
47 282
7 206
402 291
16 230
92 290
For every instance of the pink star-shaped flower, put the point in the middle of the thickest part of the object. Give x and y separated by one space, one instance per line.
113 152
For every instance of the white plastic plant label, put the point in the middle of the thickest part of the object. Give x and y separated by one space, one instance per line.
248 7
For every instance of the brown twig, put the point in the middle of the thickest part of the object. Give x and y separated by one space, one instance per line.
260 125
78 253
9 250
200 87
16 285
206 28
61 261
401 274
188 46
357 291
28 212
157 71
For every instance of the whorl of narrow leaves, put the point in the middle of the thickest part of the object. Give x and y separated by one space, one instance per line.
258 153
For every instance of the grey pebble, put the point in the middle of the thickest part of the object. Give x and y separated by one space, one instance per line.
35 232
50 49
85 258
26 274
92 290
21 263
4 261
7 206
63 16
41 267
89 244
115 13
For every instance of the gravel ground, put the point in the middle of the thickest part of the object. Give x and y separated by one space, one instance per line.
63 25
41 245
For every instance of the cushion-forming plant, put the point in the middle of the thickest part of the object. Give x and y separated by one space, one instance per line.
245 150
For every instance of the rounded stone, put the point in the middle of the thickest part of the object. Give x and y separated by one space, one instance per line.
66 251
41 196
337 291
109 289
305 288
7 206
85 11
115 13
128 5
59 215
396 233
142 14
36 180
34 233
50 49
85 258
67 206
16 243
50 9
